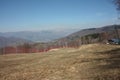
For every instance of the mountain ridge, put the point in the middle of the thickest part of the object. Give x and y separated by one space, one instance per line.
12 41
38 36
84 32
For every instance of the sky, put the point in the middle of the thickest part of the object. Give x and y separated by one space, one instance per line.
35 15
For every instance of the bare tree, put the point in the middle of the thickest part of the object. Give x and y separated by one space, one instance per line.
117 4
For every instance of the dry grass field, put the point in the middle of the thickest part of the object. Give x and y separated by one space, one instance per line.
89 62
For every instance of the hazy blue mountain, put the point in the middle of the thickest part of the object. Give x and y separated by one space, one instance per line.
13 38
38 36
12 41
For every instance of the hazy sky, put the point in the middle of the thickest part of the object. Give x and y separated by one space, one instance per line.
22 15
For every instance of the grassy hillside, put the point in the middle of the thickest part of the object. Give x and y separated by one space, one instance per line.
89 62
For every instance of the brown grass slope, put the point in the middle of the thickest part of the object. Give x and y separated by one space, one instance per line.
89 62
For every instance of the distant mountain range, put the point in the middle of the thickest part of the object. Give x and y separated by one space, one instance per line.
17 38
12 41
84 32
21 37
38 36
